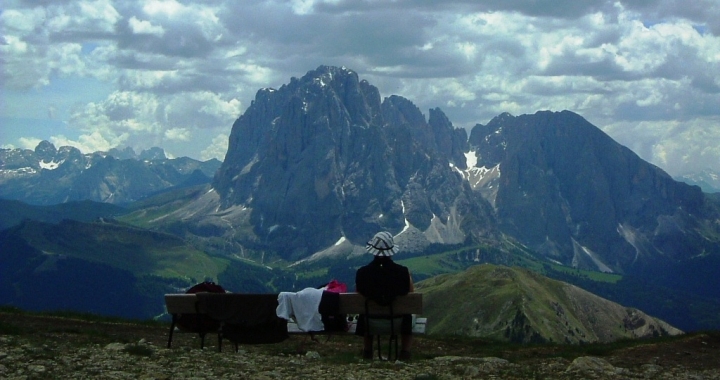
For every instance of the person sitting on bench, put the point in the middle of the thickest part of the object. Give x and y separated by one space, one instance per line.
382 278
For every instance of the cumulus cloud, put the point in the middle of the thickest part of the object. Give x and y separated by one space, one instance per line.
145 27
648 73
144 119
91 142
181 134
28 142
217 149
677 146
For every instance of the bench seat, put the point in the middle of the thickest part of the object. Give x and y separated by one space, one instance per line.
418 327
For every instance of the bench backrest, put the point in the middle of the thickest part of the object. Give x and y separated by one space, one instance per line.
350 303
181 303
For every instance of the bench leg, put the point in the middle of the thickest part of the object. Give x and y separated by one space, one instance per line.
397 353
172 329
379 349
202 340
392 339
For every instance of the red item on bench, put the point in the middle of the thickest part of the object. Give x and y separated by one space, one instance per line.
336 286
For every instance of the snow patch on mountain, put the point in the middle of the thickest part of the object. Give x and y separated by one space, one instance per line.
581 250
483 179
52 165
470 159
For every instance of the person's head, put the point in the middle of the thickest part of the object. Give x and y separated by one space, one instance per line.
381 245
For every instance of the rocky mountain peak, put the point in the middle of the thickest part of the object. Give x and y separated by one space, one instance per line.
451 142
321 159
569 191
153 153
45 150
126 153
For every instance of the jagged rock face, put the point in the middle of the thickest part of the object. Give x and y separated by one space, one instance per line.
153 153
48 175
322 158
569 191
450 141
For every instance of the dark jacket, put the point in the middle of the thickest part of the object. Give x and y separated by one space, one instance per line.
382 280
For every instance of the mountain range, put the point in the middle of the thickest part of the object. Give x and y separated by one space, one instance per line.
317 166
320 164
48 175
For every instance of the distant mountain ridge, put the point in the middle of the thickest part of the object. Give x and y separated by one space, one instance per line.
707 179
15 212
47 175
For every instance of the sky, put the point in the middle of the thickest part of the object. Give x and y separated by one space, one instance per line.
176 74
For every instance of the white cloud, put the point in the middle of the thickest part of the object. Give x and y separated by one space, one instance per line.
640 70
144 119
200 110
145 27
217 149
677 146
82 16
164 7
91 142
22 21
303 7
28 142
180 134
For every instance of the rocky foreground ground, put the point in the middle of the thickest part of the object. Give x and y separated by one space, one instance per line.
46 347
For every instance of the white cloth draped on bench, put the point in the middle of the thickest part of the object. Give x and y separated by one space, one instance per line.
301 306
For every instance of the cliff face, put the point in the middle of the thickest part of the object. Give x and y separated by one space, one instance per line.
322 158
573 194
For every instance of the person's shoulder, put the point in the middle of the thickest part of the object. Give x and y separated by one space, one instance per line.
398 266
364 268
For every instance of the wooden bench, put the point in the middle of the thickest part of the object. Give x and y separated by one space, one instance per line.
180 304
349 304
354 303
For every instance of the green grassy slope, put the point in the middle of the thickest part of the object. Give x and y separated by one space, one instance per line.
519 305
14 212
110 268
138 251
